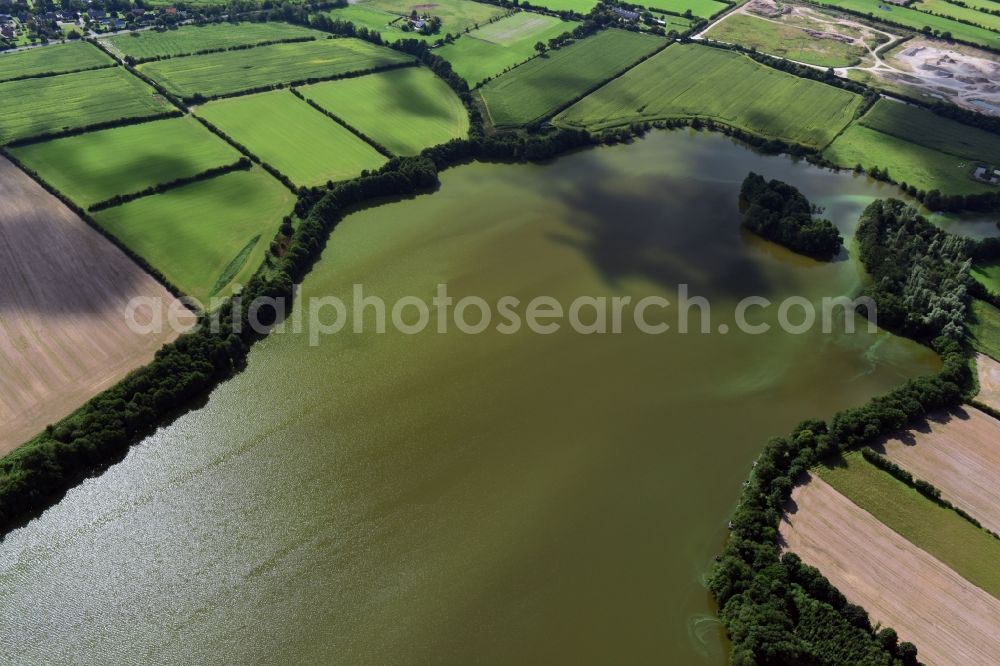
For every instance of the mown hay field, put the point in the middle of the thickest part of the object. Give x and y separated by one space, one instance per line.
55 103
293 137
984 328
455 15
490 50
63 335
785 41
229 72
969 550
700 8
950 620
932 131
96 166
192 38
193 234
959 453
542 86
907 162
693 81
57 58
403 110
917 20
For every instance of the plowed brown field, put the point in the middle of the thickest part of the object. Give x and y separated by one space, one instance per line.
950 620
63 296
959 452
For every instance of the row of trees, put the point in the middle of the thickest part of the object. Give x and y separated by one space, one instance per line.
780 213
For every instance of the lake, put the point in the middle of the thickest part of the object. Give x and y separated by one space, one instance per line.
463 498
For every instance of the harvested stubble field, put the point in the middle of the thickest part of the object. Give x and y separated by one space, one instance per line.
214 74
959 453
693 81
951 621
96 166
63 337
58 58
56 103
295 138
404 110
969 550
917 20
541 86
193 234
192 38
989 382
488 51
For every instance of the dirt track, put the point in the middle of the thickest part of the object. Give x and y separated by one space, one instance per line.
950 620
959 452
63 295
989 381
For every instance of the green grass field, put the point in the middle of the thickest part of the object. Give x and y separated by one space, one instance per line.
57 58
293 137
194 233
578 6
970 13
909 163
96 166
405 110
786 41
188 39
675 23
932 131
455 15
541 86
493 48
700 8
916 20
970 551
688 80
984 328
232 71
988 275
54 103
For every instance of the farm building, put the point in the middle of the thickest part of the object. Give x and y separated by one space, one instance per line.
627 14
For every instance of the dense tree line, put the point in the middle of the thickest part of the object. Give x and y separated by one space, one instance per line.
780 213
762 595
241 164
920 274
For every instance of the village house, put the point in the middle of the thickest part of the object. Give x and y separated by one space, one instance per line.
626 14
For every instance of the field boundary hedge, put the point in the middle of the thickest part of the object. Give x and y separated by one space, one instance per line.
246 152
220 49
85 129
199 98
45 75
340 121
925 488
241 164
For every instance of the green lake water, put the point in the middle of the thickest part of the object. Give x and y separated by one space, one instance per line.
458 499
